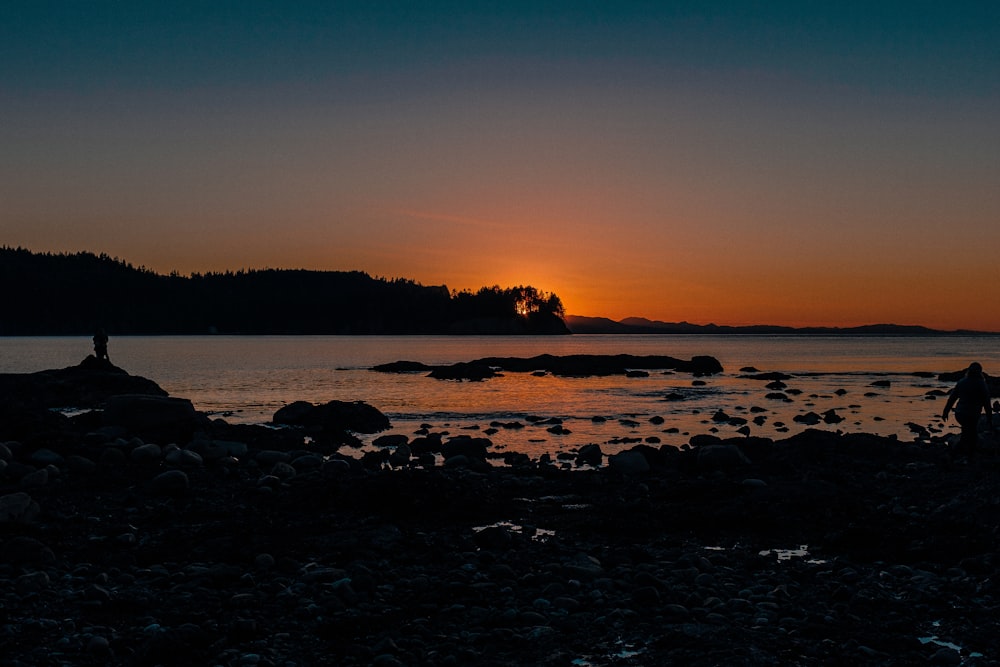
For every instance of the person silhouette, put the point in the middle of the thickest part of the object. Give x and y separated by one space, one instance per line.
101 345
970 398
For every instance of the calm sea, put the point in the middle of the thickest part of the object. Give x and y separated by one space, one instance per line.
247 378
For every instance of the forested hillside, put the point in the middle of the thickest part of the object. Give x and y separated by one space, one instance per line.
48 294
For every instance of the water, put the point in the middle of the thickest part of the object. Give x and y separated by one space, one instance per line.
247 378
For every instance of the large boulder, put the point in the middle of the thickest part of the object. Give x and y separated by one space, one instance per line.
152 417
335 418
87 385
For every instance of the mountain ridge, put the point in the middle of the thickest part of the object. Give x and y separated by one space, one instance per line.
580 324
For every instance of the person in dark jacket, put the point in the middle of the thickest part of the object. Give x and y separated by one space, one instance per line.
101 345
970 398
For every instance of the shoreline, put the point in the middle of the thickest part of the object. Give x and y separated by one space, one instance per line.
237 545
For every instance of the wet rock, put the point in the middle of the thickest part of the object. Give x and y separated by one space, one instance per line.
629 463
809 418
393 440
334 417
472 448
590 455
831 417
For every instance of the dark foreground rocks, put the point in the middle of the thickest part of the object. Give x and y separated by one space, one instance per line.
252 546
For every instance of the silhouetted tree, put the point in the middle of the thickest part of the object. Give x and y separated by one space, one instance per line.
76 293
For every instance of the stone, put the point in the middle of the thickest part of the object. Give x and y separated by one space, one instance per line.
44 457
718 457
152 417
393 440
809 418
23 550
149 453
270 457
80 464
35 478
629 463
183 458
400 456
335 416
590 455
471 448
307 462
18 508
169 483
493 537
283 470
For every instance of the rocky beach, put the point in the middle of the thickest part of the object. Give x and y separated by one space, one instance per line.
140 531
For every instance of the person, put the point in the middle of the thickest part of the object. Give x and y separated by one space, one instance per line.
101 345
970 397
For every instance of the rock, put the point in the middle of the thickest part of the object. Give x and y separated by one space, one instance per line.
169 483
152 417
267 457
283 470
33 582
402 367
149 453
35 478
946 656
183 458
80 464
809 418
472 448
400 456
18 508
334 417
392 440
23 550
43 457
493 537
307 462
831 417
718 457
629 463
590 455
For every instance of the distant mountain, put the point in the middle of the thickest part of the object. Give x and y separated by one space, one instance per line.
74 294
640 325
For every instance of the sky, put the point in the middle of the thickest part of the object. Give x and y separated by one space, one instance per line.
799 163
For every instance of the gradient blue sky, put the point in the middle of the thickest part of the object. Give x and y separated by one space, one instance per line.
794 163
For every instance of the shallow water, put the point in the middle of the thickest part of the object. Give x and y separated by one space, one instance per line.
247 378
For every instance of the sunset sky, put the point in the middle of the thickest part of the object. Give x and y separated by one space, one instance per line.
800 163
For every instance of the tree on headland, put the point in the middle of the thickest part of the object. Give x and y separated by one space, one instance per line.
77 293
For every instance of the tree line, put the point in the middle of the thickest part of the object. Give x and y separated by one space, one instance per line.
77 293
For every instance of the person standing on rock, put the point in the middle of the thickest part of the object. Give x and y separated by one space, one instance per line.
970 397
101 345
